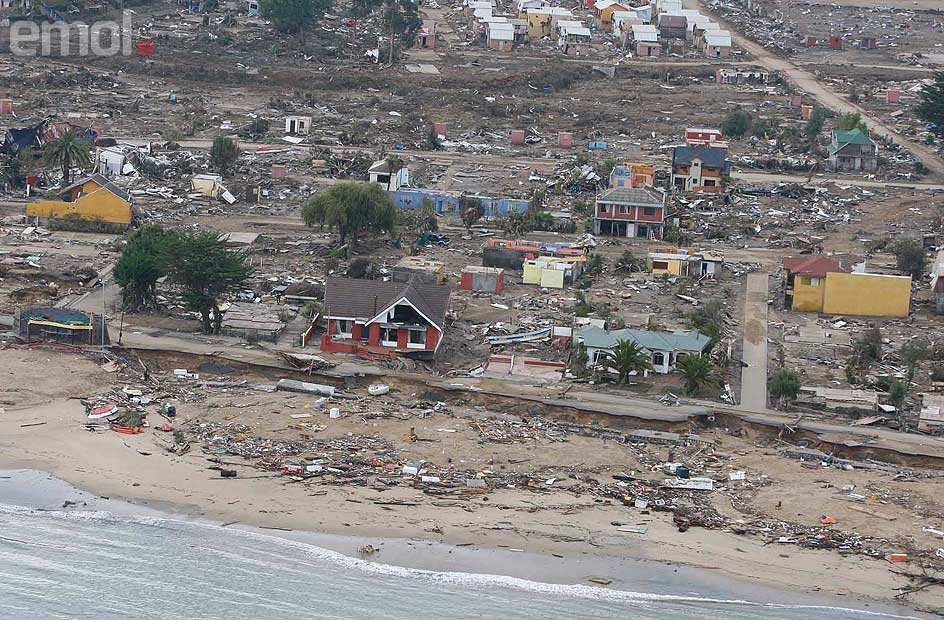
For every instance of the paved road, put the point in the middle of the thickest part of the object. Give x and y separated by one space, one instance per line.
754 374
806 81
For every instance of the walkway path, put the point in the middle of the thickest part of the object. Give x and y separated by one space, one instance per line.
754 374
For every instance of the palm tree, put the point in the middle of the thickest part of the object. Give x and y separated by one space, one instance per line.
68 151
699 373
628 357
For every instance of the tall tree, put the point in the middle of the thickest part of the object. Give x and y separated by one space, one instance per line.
68 151
294 16
223 154
628 357
359 11
142 263
402 20
815 125
206 270
350 208
852 120
931 107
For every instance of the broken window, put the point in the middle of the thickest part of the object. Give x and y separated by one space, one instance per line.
658 358
344 328
418 337
388 336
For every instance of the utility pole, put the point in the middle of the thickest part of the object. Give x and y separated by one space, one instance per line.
102 282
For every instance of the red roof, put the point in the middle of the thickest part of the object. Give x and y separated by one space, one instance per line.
813 266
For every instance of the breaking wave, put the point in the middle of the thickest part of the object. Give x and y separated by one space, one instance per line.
466 581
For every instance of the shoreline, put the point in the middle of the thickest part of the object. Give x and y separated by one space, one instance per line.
593 534
42 492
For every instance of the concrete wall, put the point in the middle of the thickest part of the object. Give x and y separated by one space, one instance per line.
867 294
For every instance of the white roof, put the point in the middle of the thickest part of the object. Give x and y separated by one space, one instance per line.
718 38
527 4
501 31
482 13
475 4
551 10
645 32
602 4
494 19
574 28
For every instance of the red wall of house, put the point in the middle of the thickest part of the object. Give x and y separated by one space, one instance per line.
633 214
432 338
374 335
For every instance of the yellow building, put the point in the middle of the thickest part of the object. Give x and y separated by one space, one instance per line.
808 294
867 294
541 20
822 284
552 271
92 198
605 14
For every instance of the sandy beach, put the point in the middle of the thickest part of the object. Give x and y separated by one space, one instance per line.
44 430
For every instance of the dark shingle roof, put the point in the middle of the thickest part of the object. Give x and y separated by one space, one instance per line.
710 156
634 196
114 189
365 299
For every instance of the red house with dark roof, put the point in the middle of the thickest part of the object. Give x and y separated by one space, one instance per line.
375 317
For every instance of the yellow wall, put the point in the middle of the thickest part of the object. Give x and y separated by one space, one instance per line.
807 298
674 267
866 294
531 274
98 205
552 278
606 15
539 25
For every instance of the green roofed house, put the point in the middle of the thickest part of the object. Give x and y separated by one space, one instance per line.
665 347
852 150
51 324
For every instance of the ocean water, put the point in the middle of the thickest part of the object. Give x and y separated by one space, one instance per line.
102 564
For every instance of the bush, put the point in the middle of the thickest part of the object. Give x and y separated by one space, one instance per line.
736 124
74 222
784 385
868 347
910 257
707 320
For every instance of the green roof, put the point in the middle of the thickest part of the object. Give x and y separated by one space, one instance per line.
597 338
57 315
852 137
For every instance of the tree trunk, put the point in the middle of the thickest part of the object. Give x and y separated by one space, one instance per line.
205 317
390 52
353 39
65 173
217 319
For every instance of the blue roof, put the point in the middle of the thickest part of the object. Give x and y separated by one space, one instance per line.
598 338
710 156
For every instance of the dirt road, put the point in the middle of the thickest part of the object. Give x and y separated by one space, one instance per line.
806 81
